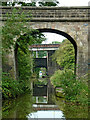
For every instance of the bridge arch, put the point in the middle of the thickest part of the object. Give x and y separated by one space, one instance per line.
60 33
66 36
71 22
75 33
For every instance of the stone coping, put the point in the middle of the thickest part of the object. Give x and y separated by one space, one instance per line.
62 8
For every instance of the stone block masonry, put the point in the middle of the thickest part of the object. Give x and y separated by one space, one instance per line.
51 13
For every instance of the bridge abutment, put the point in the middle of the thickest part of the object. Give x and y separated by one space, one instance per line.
9 65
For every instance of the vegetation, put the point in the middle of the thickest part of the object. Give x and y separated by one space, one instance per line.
75 90
36 72
22 106
41 54
49 3
65 56
41 3
17 36
12 88
56 42
19 3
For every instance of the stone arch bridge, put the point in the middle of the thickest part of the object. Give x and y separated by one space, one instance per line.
71 22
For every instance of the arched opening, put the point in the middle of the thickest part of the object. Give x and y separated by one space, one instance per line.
56 32
66 36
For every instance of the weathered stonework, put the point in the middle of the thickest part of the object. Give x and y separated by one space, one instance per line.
52 13
75 30
71 22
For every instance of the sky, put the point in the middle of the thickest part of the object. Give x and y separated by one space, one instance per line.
46 114
73 2
52 37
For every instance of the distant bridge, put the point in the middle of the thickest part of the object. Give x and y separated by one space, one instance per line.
44 47
50 65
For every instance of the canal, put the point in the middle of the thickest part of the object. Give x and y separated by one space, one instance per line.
42 103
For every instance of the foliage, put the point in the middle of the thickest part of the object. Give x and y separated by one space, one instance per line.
41 81
27 4
76 111
36 71
56 42
49 3
41 54
13 28
19 3
33 3
65 56
75 90
16 33
24 65
17 36
12 88
22 105
4 3
24 56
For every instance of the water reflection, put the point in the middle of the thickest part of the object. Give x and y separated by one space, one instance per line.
44 109
26 107
40 99
18 108
47 114
29 107
44 106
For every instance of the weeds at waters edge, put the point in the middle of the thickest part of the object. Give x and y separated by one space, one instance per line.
12 88
75 90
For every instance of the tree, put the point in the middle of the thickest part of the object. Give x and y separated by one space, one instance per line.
48 3
16 33
17 36
10 3
75 90
56 42
65 56
41 54
16 28
13 28
33 3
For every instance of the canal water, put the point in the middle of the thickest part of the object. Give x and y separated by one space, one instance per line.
41 105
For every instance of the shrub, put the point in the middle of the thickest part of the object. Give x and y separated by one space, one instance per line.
12 88
76 90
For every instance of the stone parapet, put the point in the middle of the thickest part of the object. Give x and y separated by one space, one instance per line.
42 14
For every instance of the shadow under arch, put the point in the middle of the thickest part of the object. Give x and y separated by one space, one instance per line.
49 30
